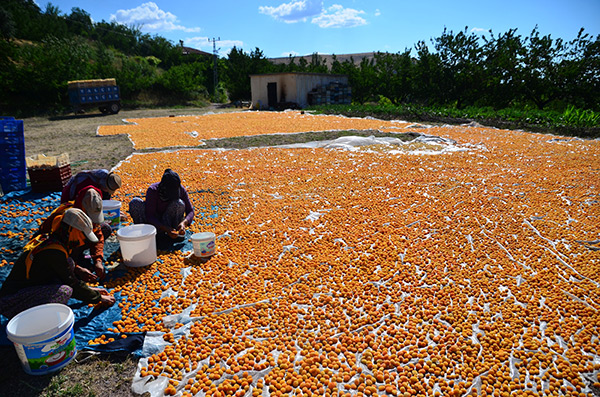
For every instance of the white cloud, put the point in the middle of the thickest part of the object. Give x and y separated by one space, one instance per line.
290 54
377 12
337 16
206 44
478 30
294 11
151 18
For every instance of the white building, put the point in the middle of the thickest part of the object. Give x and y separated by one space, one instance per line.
273 90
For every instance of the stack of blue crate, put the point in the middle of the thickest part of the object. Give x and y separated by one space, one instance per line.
13 168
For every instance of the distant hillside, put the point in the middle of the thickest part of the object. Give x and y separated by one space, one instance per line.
357 58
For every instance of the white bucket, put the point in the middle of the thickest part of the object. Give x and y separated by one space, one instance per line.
138 244
112 213
204 244
43 337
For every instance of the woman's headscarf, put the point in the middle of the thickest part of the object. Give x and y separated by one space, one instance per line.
98 176
168 188
106 180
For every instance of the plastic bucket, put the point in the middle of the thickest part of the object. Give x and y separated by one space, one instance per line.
112 213
43 337
138 244
204 244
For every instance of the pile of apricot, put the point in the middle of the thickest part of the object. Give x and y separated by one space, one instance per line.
160 132
372 272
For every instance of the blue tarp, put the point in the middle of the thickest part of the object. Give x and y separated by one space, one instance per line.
19 215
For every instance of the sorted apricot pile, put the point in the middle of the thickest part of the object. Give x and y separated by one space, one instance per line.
373 272
163 132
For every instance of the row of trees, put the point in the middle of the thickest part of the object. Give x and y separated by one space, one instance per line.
464 69
41 50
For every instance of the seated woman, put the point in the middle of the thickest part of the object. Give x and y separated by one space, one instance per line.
44 272
167 206
107 182
89 200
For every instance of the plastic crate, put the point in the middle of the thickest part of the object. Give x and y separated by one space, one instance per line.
13 184
43 161
49 179
13 174
12 160
12 149
13 178
10 125
12 138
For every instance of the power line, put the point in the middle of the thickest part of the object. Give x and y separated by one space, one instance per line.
215 50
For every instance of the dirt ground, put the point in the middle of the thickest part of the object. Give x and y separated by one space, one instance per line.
103 375
75 134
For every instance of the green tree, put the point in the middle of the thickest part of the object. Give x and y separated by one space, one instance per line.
237 80
239 67
52 22
186 80
540 71
8 72
162 49
428 77
26 16
394 76
104 62
117 36
45 68
133 75
364 83
302 65
460 56
7 25
578 73
317 64
80 22
504 63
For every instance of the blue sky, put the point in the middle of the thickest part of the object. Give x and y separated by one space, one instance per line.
302 27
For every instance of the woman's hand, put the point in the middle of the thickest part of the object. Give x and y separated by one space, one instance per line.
84 274
107 300
181 228
99 268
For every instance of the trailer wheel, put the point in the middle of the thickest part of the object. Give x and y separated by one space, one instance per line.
103 109
114 107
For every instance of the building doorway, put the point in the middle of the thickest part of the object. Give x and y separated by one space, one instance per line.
272 94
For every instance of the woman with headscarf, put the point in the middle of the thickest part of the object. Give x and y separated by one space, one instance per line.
44 272
107 182
89 200
167 206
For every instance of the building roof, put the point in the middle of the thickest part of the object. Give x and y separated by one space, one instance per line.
356 58
190 50
301 74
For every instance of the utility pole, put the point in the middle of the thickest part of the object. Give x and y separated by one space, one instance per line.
215 49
